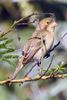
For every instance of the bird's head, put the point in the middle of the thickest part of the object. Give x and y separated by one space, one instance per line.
47 24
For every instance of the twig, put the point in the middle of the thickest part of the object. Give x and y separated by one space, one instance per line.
14 24
36 64
33 79
30 70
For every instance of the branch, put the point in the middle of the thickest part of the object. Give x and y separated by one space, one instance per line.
14 24
55 46
30 70
38 77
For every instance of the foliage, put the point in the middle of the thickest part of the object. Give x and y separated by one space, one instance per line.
6 49
59 69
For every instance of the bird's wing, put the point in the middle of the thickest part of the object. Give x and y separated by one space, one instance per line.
30 49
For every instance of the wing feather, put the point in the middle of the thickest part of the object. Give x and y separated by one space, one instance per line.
30 49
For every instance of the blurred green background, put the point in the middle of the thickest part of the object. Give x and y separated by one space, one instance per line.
12 44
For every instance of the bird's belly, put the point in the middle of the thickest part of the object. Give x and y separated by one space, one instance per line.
48 41
44 49
39 54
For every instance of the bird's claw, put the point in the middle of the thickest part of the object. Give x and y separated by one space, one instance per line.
47 55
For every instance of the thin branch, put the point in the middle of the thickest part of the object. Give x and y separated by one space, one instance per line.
14 24
56 45
27 79
30 70
36 64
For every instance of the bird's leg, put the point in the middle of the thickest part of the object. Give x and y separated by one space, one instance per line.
40 69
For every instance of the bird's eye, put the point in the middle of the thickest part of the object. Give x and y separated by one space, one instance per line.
47 22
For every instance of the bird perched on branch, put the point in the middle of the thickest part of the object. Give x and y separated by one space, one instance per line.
38 44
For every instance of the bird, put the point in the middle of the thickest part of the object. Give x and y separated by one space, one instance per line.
38 44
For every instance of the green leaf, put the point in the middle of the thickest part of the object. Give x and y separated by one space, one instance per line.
10 56
2 39
8 50
2 46
5 42
6 60
8 41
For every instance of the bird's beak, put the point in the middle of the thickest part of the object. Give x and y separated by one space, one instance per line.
54 24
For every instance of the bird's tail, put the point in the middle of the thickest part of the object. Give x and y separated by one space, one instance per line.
18 68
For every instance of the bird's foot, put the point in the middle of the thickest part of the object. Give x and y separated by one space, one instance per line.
47 55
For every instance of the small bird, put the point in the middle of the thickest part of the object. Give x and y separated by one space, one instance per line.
38 44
